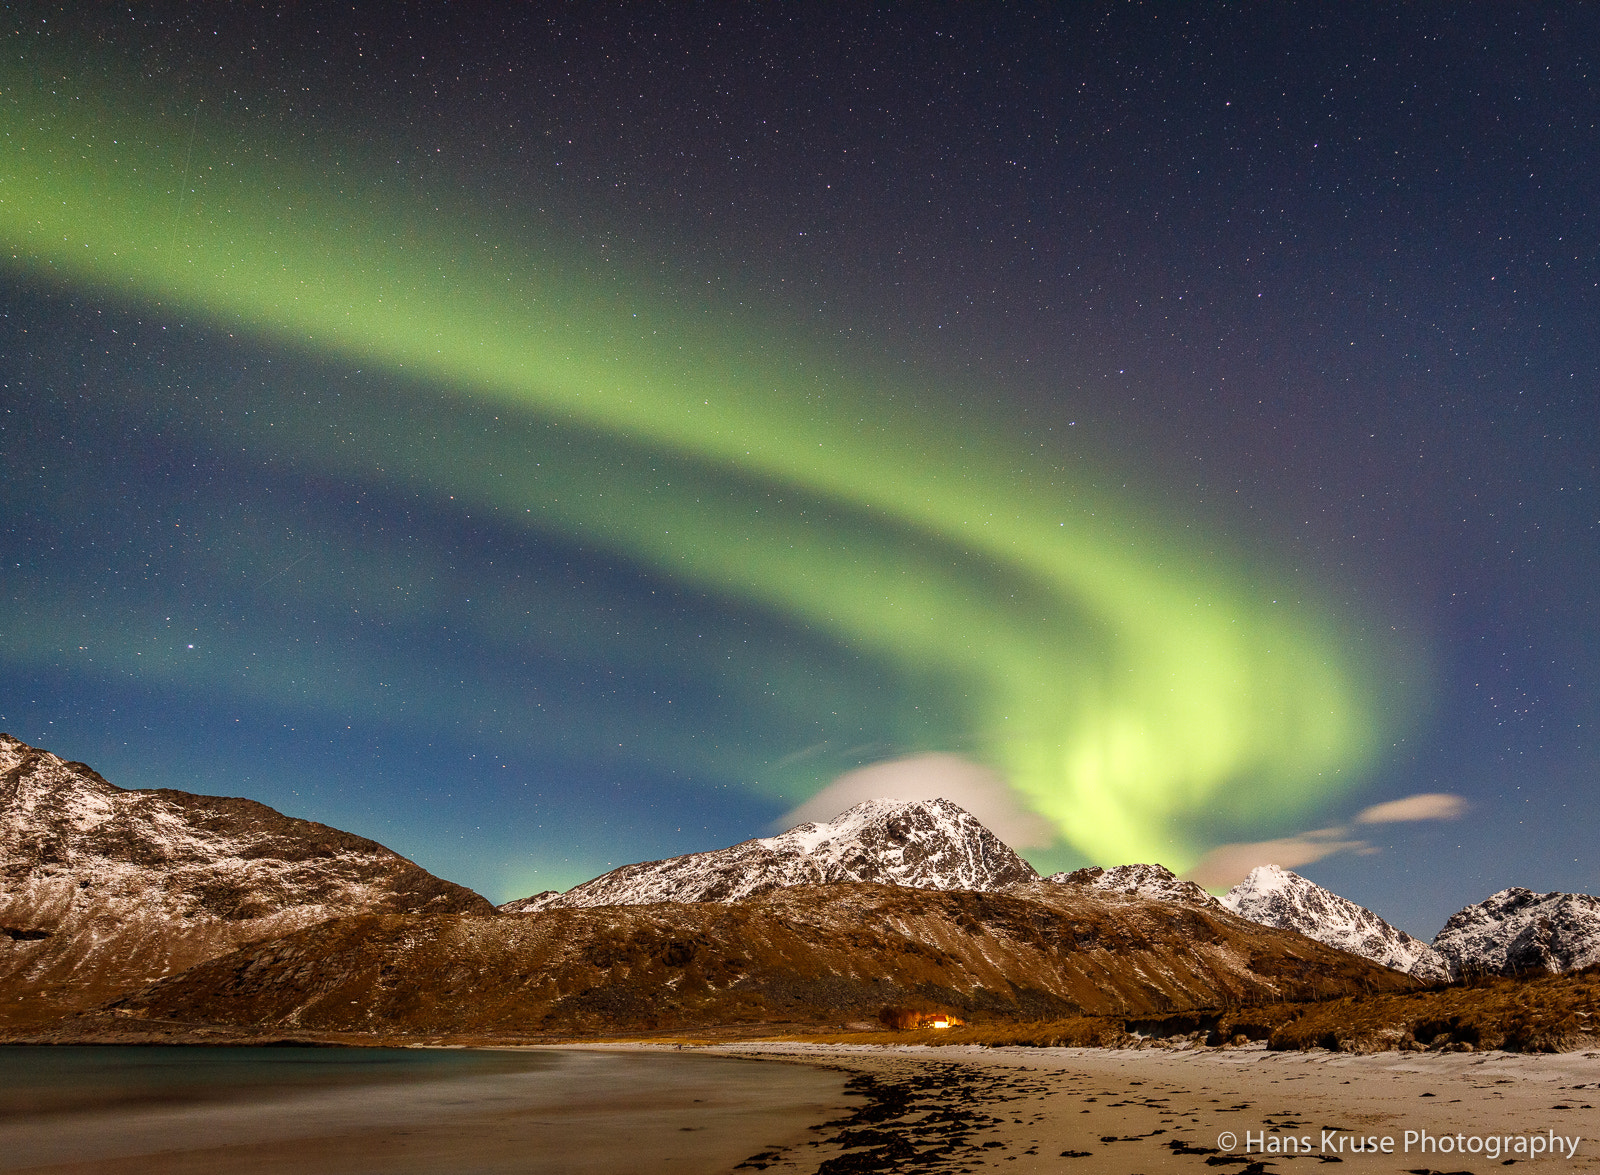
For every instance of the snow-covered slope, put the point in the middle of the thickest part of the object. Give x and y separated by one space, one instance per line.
1144 881
1277 897
1518 931
102 889
928 844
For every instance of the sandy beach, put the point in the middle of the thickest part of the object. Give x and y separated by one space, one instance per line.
1240 1110
836 1109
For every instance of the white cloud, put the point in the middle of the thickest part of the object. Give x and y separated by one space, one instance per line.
930 777
1428 806
1227 865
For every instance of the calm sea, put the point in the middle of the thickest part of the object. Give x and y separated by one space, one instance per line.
114 1109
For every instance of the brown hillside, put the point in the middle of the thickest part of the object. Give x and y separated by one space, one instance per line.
816 955
103 889
1544 1014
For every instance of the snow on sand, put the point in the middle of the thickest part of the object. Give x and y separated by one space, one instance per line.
1156 1110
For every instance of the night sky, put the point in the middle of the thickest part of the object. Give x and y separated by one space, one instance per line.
546 439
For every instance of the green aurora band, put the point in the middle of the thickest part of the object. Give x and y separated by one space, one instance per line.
1129 692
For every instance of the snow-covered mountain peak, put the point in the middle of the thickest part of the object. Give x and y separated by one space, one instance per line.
1264 880
933 843
853 822
1274 896
1519 931
49 787
928 844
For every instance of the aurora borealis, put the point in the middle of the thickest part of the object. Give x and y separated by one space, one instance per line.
447 479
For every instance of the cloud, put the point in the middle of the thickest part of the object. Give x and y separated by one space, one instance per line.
930 777
1427 806
1227 865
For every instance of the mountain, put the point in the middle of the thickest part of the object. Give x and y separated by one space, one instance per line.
930 844
105 889
1277 897
818 956
1145 881
1517 931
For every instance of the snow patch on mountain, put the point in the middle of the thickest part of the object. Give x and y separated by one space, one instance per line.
1517 931
1144 881
927 844
101 886
1278 897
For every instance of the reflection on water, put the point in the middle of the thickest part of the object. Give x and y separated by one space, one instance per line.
57 1080
128 1110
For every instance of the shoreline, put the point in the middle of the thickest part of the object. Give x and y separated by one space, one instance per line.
568 1112
1537 1014
1094 1110
918 1107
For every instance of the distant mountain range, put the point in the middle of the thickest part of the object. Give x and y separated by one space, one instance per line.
934 844
823 956
199 908
1513 932
1277 897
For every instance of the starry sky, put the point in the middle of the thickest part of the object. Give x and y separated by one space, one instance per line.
546 439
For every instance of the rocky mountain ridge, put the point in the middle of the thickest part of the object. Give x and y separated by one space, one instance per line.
927 844
1517 931
937 845
107 891
103 889
1146 881
1513 932
803 956
1278 897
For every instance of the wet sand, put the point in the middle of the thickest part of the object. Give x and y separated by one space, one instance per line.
1158 1110
605 1112
785 1108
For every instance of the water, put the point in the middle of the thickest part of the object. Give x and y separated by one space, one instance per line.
88 1079
118 1109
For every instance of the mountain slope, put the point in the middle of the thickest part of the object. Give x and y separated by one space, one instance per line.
802 955
930 844
1517 931
1278 897
105 889
1149 881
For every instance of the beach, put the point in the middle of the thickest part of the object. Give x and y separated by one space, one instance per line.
787 1107
1191 1110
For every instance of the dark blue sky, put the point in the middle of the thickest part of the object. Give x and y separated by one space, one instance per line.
1308 295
